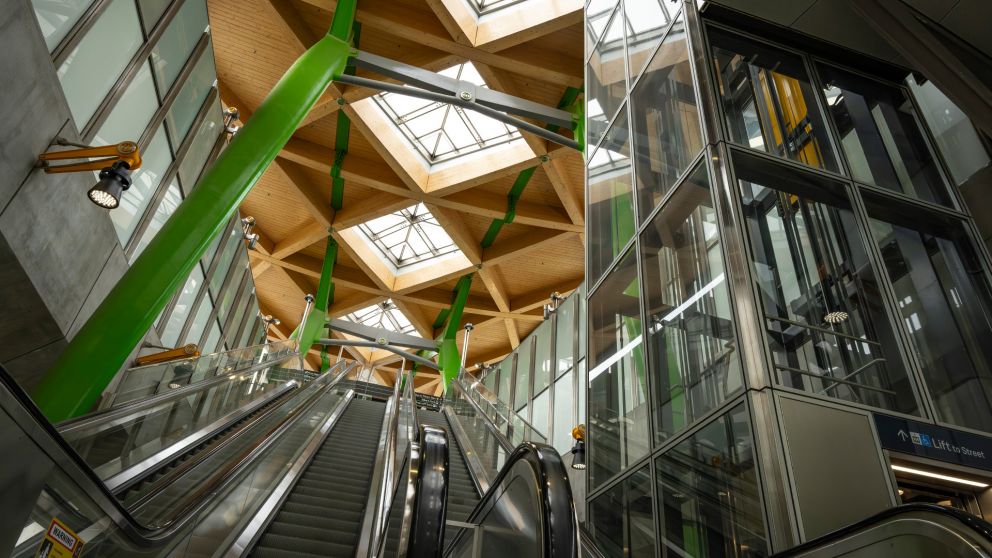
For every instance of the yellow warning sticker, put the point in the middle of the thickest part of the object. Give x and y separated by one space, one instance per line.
60 542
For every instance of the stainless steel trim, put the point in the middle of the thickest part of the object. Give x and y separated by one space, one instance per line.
480 477
349 343
382 474
267 511
113 415
136 472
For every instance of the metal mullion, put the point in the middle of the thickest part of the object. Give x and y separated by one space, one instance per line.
665 31
130 70
553 377
78 31
511 400
914 368
229 283
204 291
171 172
177 85
249 296
225 328
670 194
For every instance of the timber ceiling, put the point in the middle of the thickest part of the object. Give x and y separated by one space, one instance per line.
533 51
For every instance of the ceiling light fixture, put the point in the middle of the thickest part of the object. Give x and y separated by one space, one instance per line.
931 474
122 158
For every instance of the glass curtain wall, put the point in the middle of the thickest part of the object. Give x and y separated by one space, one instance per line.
542 378
864 278
143 70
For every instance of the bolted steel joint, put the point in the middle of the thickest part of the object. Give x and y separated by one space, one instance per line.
465 95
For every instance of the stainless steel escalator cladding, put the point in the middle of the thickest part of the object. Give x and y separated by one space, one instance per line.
527 512
422 533
906 531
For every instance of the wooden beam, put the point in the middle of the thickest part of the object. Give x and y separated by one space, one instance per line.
453 224
408 23
422 322
507 249
309 193
299 239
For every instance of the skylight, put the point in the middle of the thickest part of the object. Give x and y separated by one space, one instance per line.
409 236
384 315
489 6
440 131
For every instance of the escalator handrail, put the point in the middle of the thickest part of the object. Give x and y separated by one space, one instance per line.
426 497
493 428
976 525
512 414
559 523
32 421
126 410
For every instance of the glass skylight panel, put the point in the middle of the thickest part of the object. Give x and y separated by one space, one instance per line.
440 131
489 6
408 236
384 315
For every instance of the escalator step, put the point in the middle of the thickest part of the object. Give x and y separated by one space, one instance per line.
323 514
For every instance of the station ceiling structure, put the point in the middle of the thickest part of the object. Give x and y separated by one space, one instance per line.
424 183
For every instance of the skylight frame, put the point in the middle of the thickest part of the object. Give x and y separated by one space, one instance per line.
485 7
383 315
412 222
436 142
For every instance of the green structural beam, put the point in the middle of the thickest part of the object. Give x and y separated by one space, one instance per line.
325 294
101 347
341 137
448 359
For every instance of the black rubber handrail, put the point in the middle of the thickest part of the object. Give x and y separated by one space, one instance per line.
425 537
975 525
135 532
559 526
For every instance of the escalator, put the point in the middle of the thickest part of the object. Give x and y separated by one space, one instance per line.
463 494
322 515
906 531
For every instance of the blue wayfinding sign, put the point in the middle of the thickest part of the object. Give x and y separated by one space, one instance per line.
935 442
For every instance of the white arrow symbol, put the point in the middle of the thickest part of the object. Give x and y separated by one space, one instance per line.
902 435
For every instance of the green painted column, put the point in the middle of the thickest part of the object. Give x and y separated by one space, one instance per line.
76 380
325 292
448 359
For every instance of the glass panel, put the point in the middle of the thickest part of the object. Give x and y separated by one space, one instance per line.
249 326
165 210
522 390
879 133
564 419
151 11
199 151
226 257
540 417
583 383
667 136
709 491
645 21
239 315
212 338
622 519
618 406
191 97
92 68
155 161
825 321
956 137
611 205
170 334
57 18
691 336
944 302
132 113
598 14
542 356
583 326
212 249
199 321
228 296
606 83
177 42
505 379
769 102
565 334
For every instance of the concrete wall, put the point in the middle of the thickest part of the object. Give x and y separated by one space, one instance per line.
59 254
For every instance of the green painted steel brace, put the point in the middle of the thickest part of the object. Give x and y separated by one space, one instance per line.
93 357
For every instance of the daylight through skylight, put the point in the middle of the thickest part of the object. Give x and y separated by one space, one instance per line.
488 6
409 236
440 131
384 315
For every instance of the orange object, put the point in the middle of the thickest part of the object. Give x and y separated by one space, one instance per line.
126 152
579 432
186 351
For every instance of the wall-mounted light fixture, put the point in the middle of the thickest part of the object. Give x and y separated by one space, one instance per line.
231 116
579 449
115 163
556 300
246 225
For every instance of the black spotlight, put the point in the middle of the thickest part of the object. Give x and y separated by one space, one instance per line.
113 181
579 455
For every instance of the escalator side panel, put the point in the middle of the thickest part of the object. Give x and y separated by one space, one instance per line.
462 494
